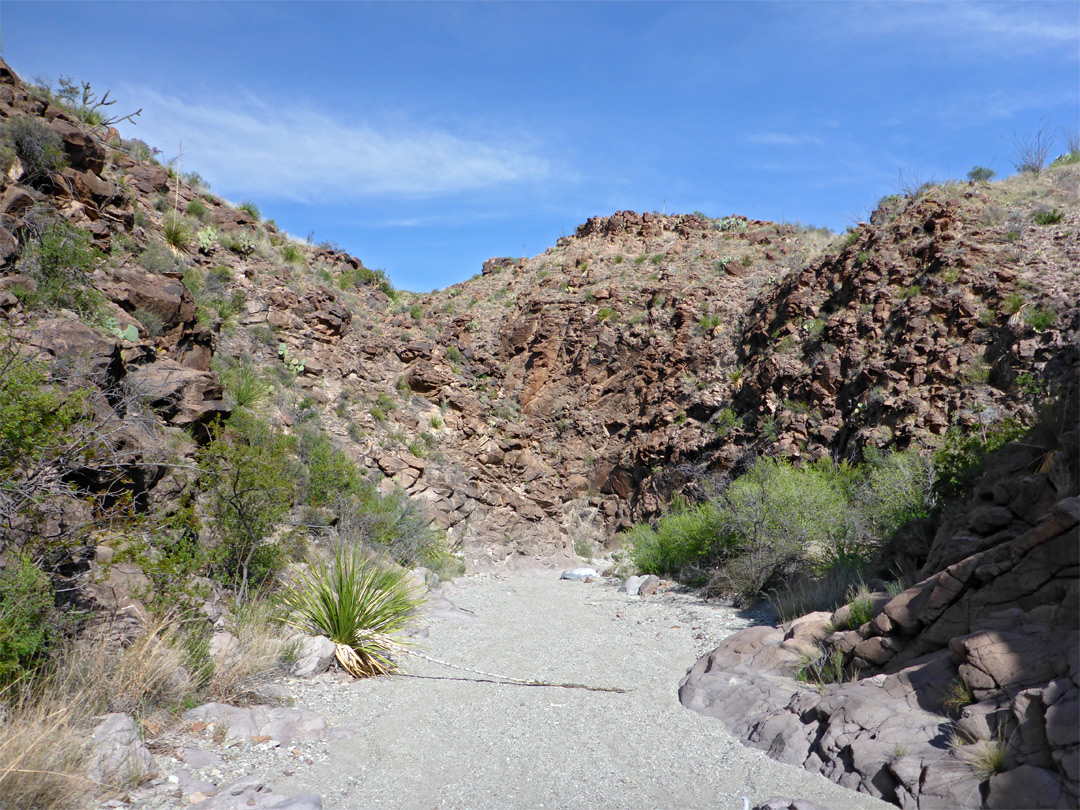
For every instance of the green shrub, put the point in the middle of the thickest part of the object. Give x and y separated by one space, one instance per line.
416 312
981 174
156 258
196 208
385 401
251 208
361 606
244 384
377 413
291 254
330 474
606 314
60 258
248 470
860 607
709 322
38 147
963 450
1040 319
1014 302
821 668
454 355
27 629
682 539
730 224
1049 217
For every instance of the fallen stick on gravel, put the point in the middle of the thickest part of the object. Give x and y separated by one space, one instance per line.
506 678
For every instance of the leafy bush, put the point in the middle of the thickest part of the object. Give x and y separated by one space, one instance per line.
684 538
60 258
364 276
777 521
1049 217
196 208
291 254
730 224
156 258
1040 319
251 482
26 626
416 312
961 453
981 174
359 606
150 321
38 147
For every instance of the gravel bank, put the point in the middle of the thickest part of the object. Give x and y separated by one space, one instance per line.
444 739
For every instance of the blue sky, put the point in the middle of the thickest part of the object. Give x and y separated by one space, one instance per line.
426 137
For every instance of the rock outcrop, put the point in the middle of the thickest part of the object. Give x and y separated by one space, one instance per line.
967 681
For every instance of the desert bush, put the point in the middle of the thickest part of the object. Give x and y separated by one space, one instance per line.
150 321
1031 150
330 474
176 232
251 483
963 450
821 667
245 386
196 208
291 254
156 258
1049 217
27 629
1040 319
357 604
683 538
37 146
251 208
60 257
981 174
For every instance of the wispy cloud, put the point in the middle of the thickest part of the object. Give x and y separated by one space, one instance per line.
1020 26
286 151
784 139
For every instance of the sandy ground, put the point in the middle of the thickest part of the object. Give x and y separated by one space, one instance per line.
446 739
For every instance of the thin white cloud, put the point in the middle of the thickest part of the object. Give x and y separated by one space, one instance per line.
784 139
286 151
1019 26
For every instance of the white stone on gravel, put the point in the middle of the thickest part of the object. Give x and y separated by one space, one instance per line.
631 585
580 574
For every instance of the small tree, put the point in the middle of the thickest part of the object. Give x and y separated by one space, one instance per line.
252 492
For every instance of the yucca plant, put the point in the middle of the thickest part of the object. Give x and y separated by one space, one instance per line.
357 604
176 233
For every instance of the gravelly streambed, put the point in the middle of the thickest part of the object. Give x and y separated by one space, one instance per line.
446 739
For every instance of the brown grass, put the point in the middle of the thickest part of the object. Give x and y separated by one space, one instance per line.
44 748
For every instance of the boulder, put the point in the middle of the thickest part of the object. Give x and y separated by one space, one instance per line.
580 574
117 753
184 397
315 656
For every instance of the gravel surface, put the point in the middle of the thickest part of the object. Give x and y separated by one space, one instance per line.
444 739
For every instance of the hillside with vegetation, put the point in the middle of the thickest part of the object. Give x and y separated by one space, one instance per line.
203 419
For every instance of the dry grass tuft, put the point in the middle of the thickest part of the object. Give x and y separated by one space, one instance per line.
43 753
261 651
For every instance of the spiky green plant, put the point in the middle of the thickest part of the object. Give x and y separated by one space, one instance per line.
357 604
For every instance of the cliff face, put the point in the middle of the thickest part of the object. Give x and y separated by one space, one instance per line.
560 397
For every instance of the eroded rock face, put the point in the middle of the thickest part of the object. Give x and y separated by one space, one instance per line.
1002 623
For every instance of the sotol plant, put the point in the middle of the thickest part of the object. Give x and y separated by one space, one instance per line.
357 604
